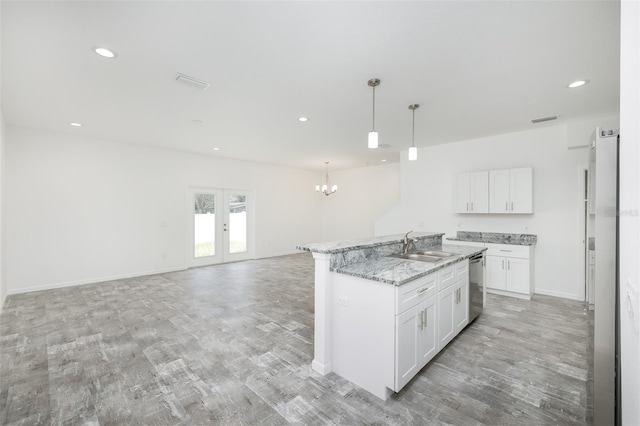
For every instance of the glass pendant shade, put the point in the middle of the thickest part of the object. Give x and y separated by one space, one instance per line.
373 140
413 153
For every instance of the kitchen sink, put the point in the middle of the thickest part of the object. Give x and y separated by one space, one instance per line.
419 257
435 253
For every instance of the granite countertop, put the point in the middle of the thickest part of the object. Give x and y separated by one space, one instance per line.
495 238
395 271
342 246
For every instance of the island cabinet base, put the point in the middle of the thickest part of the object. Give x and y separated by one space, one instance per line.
363 332
382 335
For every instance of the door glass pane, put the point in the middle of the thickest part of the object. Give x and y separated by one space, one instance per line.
237 223
204 236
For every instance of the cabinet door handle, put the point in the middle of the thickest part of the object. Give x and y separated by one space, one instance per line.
425 317
512 206
508 265
467 206
424 289
472 206
502 263
421 320
506 206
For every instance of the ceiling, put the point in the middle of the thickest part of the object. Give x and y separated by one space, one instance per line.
476 69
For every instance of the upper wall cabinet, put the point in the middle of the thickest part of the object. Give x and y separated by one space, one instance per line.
511 191
472 192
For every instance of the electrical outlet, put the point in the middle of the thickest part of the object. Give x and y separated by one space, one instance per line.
343 301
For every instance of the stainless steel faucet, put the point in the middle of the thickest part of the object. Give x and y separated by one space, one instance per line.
406 242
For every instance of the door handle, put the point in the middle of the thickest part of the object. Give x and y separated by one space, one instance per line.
471 206
508 265
512 206
425 317
467 206
506 206
502 263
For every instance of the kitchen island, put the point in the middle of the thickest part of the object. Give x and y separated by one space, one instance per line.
380 319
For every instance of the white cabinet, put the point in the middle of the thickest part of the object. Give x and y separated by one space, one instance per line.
382 335
472 192
511 191
509 270
453 313
461 305
425 326
416 340
445 317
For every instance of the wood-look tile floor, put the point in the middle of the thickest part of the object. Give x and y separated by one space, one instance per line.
232 344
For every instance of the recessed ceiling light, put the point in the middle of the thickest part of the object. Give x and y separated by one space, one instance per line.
74 124
384 160
303 119
578 83
216 149
104 52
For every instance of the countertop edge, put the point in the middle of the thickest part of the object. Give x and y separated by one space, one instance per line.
358 245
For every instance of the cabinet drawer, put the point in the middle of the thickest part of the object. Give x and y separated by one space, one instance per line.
461 269
446 277
507 250
414 292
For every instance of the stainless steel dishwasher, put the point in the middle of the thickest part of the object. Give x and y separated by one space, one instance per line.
476 285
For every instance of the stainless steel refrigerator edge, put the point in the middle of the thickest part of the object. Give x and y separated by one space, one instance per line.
606 282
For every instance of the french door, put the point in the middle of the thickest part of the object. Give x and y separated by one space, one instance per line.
220 226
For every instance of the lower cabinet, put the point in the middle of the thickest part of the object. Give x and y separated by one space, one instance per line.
417 340
383 335
454 311
509 270
424 329
461 306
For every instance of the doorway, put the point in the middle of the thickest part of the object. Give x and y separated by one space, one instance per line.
220 223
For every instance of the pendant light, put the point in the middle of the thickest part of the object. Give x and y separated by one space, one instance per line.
325 188
373 135
413 151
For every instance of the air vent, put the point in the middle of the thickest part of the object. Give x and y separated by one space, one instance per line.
191 81
540 120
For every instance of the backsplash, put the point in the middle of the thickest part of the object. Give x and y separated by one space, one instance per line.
496 238
342 259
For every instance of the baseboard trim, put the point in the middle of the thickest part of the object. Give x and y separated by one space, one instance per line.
559 294
285 253
91 281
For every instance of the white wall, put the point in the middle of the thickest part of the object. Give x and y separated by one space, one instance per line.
3 281
630 203
427 197
363 196
83 210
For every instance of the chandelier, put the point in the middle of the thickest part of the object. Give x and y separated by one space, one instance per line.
325 188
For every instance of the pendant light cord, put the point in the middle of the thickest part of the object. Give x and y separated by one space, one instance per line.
413 127
373 121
